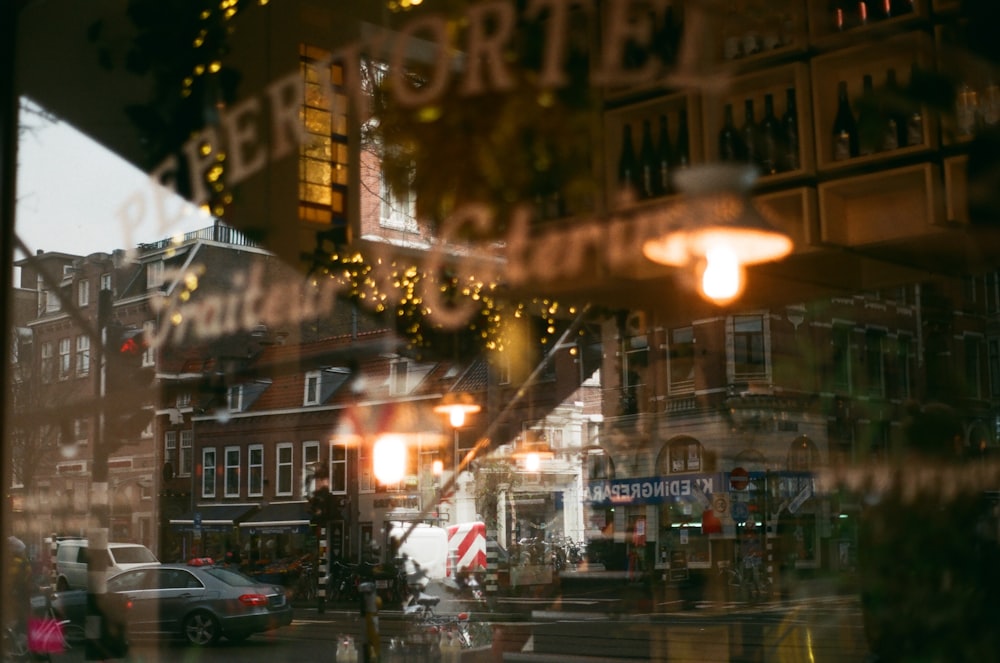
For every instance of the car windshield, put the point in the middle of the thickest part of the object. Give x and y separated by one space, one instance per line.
133 555
231 577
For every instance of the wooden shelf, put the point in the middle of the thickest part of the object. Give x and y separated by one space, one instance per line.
755 33
851 65
793 212
824 36
774 81
881 207
633 115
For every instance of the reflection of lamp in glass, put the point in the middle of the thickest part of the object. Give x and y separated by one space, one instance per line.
389 458
532 449
457 406
724 231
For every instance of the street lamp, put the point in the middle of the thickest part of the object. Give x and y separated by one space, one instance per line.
457 405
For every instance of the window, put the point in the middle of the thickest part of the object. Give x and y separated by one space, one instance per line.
366 479
235 398
80 430
82 355
149 350
994 366
398 371
312 388
680 356
633 371
323 155
899 359
283 471
154 274
973 366
50 303
208 472
186 453
255 467
183 399
310 461
338 468
106 282
170 450
83 292
749 361
840 360
64 358
600 466
684 454
398 209
875 362
48 362
802 455
232 472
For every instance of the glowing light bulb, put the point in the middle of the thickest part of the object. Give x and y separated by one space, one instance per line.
456 416
437 468
532 462
722 280
389 458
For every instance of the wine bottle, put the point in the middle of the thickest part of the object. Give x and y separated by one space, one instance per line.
894 127
770 138
647 162
629 183
869 122
682 148
664 157
729 140
845 128
750 135
861 11
790 132
915 115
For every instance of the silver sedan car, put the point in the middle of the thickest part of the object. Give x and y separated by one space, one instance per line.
199 602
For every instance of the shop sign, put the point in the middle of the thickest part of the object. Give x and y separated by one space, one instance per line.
651 490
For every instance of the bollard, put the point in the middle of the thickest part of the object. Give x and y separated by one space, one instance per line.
369 634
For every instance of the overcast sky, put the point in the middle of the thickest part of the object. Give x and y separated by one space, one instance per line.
70 190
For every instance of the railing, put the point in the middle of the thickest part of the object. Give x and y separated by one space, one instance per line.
217 232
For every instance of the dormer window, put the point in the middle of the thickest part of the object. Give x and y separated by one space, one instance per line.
236 398
311 388
398 372
154 274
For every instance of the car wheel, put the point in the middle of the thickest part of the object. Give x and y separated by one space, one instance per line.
201 628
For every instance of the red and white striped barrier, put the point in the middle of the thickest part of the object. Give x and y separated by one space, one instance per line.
466 547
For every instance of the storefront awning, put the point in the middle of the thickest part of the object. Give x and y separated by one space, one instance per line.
213 517
281 518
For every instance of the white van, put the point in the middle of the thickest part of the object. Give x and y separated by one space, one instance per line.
72 556
426 545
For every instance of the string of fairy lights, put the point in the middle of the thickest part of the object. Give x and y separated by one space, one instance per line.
361 280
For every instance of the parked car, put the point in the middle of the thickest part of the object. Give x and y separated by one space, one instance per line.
73 555
198 601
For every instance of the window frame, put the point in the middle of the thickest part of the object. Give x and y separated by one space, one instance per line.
314 379
311 458
185 452
83 293
171 450
209 471
284 470
338 468
255 481
65 358
82 355
231 471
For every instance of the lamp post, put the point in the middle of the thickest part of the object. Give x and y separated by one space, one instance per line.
457 406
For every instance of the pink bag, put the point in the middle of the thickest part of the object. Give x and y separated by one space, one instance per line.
45 636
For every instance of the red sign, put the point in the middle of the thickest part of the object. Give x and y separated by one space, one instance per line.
739 478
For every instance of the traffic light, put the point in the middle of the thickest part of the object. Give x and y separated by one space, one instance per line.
128 378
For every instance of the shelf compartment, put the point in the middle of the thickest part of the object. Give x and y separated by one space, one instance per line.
754 33
793 212
754 86
633 115
850 65
824 35
881 207
956 189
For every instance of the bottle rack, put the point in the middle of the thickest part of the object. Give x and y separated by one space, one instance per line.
775 81
888 196
851 65
633 115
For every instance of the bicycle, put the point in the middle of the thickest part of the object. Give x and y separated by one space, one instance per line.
745 578
306 584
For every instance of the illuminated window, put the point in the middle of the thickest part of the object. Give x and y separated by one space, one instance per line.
323 155
398 209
